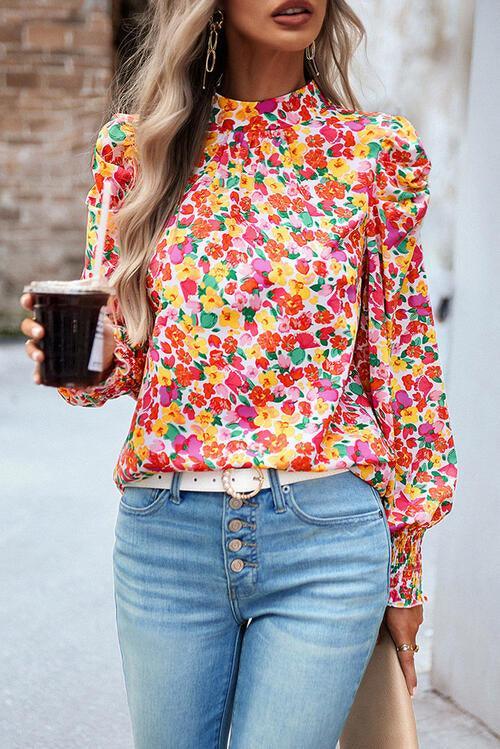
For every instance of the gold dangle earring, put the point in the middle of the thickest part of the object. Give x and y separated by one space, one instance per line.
215 26
310 52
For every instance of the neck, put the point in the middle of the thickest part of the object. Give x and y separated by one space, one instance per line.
253 73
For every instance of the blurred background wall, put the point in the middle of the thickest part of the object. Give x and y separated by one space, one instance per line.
466 664
57 59
417 64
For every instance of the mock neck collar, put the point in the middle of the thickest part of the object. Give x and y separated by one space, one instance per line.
289 109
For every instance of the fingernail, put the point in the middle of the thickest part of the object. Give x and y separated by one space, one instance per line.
36 330
413 691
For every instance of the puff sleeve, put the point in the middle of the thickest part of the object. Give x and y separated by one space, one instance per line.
114 159
406 378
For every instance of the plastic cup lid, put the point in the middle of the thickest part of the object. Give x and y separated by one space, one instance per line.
78 286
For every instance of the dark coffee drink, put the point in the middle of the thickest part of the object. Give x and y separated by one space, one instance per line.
71 315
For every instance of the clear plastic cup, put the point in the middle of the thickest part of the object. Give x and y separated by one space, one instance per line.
73 319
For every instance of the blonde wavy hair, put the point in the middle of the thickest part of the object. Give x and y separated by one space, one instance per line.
164 88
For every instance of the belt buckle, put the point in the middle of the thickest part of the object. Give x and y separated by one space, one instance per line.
226 482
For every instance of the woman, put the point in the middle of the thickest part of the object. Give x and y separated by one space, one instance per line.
291 440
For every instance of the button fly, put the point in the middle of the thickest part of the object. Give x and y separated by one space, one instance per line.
239 542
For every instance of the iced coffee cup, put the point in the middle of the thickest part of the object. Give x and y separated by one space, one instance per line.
72 315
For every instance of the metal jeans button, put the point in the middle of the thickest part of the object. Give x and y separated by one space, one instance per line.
235 503
235 525
235 544
237 565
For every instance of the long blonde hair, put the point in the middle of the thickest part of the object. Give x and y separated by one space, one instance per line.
165 90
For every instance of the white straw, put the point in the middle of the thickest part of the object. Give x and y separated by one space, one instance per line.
101 231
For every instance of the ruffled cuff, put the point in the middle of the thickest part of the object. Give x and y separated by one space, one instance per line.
124 377
406 568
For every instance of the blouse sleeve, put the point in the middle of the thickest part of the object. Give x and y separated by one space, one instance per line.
114 159
404 348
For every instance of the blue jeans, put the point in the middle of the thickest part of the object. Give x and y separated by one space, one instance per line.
260 619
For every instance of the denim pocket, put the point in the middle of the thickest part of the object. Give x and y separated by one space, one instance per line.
141 500
333 499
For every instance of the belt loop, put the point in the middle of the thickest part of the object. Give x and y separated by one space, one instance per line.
278 498
174 487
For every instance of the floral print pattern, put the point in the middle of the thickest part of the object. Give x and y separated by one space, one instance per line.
293 325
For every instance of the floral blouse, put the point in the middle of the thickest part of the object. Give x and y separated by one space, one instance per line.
293 325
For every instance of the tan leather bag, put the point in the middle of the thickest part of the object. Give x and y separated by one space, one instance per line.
382 714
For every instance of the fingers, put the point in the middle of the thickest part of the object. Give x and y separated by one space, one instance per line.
110 319
37 378
108 311
407 662
35 332
28 326
26 301
37 356
32 329
33 351
403 625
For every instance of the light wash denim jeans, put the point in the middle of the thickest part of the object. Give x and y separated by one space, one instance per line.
260 618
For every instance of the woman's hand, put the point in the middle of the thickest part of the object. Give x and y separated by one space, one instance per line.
35 333
403 625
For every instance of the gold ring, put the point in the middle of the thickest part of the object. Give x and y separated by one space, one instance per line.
241 495
405 646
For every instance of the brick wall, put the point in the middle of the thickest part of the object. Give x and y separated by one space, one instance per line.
56 60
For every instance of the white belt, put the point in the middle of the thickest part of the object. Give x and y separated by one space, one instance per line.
234 481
